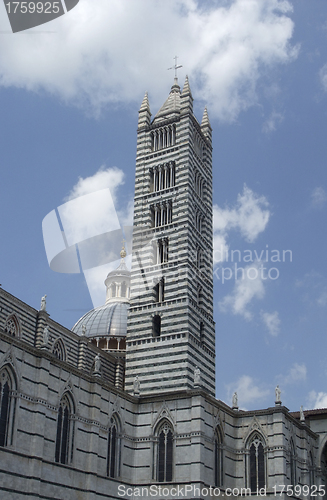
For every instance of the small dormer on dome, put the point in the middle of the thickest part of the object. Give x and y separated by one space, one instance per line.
118 282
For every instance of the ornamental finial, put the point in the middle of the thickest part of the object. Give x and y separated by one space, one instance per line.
123 251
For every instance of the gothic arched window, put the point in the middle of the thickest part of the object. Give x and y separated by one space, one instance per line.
7 406
12 325
165 453
58 350
65 431
256 463
218 459
113 450
292 463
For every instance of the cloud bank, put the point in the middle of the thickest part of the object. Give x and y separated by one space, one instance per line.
110 52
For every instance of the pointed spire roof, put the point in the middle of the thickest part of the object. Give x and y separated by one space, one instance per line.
186 89
144 113
205 119
172 104
145 106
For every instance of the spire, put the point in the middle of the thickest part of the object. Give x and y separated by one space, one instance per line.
172 105
186 98
186 89
144 112
205 124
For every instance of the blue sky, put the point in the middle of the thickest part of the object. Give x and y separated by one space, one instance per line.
70 92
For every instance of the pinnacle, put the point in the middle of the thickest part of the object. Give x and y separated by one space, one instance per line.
205 120
186 89
145 106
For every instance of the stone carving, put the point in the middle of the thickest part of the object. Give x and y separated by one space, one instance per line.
84 330
46 335
302 417
43 303
277 395
136 386
235 400
97 364
197 377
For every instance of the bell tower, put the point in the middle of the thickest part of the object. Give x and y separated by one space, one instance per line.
171 332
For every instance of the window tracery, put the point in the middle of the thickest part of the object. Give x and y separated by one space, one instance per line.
256 463
12 326
65 431
218 450
58 350
113 449
165 453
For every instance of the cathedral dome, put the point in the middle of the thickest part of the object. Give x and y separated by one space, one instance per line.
108 320
106 326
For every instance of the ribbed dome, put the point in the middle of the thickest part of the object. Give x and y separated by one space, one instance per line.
108 320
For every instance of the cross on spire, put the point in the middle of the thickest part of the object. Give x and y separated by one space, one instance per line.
176 67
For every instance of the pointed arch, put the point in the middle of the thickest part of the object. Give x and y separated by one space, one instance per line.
114 446
165 451
292 462
59 350
256 461
13 325
65 430
218 460
8 386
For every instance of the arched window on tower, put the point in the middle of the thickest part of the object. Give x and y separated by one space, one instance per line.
113 289
65 431
256 463
113 451
7 405
165 453
218 450
156 325
159 291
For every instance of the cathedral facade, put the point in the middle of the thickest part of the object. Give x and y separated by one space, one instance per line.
123 405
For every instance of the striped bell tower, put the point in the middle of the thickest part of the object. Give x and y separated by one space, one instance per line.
171 332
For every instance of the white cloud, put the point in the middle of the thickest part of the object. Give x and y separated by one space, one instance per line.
273 121
247 391
110 178
93 218
272 322
90 206
107 52
317 399
245 290
297 373
250 216
318 197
